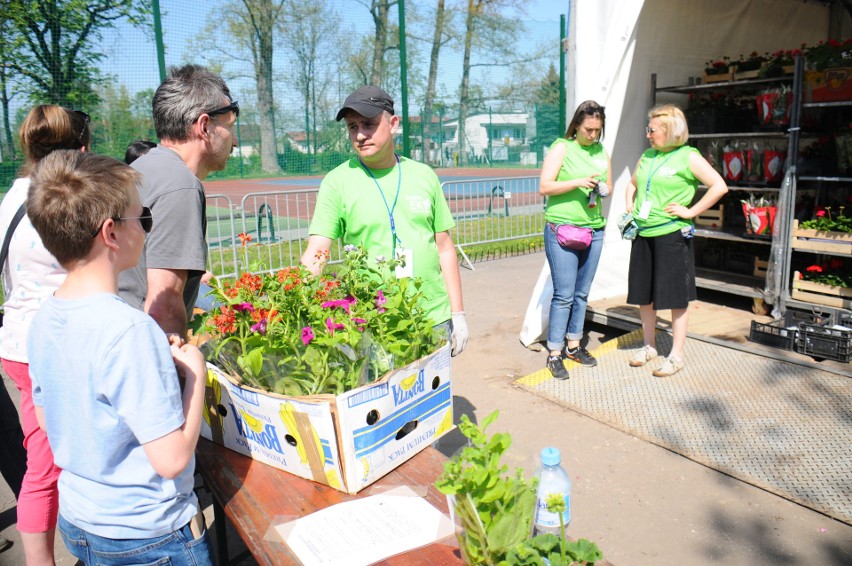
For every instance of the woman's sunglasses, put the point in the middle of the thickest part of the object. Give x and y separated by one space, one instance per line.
146 220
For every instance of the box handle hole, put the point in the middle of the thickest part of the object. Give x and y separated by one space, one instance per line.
373 417
406 429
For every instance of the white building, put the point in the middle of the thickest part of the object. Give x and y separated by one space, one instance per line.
489 137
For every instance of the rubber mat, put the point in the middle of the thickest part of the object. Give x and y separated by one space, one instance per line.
780 426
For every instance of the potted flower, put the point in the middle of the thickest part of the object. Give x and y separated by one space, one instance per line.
780 63
749 67
718 70
826 233
495 511
291 333
829 54
829 74
825 221
825 283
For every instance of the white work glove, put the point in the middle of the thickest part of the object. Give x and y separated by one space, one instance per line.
603 190
458 342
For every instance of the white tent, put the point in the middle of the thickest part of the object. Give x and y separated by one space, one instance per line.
613 48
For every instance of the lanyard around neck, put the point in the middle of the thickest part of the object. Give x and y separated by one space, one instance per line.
653 170
389 208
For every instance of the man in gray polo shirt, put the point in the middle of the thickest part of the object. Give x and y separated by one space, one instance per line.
194 117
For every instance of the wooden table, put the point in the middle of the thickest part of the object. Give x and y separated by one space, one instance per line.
252 494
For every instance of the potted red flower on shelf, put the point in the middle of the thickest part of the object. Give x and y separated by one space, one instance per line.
719 70
829 74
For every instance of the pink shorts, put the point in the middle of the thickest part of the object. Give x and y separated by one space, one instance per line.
38 504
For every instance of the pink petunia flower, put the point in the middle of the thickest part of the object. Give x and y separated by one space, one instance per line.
307 335
380 300
332 326
247 307
345 304
260 327
359 322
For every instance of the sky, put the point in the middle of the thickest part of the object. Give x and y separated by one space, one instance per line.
132 58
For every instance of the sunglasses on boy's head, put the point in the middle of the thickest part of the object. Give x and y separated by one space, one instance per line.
146 220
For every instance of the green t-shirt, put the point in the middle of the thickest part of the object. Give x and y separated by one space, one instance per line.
573 207
350 207
671 182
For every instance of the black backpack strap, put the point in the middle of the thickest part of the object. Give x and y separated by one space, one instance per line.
4 251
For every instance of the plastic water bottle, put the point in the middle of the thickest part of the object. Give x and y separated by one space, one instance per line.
552 479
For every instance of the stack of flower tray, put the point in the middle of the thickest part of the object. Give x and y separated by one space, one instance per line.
834 243
820 293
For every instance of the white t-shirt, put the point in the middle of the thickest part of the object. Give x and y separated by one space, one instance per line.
30 276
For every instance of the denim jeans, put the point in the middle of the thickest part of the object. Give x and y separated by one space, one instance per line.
572 272
174 548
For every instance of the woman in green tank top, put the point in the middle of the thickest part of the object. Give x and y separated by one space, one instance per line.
574 177
662 267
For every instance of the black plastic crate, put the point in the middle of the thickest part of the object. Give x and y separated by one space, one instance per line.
783 333
825 342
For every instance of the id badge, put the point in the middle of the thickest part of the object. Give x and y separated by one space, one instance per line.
645 210
406 268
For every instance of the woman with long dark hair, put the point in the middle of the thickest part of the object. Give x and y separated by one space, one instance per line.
574 177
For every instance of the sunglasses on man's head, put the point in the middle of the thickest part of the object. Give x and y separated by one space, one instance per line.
146 220
86 119
232 107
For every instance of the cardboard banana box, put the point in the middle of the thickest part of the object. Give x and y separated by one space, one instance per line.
347 441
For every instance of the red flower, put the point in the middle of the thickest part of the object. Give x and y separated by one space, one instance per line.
244 238
814 269
225 321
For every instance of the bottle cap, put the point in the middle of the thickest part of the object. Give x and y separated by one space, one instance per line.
550 456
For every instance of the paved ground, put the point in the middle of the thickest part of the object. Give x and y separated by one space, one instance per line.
641 503
778 425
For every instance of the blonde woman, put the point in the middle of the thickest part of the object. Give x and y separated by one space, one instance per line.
662 266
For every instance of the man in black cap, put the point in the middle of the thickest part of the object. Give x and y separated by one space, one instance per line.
394 207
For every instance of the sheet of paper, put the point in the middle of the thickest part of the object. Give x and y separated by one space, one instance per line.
366 530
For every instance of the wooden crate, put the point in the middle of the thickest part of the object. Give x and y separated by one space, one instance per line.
820 294
760 267
712 218
837 243
743 75
729 76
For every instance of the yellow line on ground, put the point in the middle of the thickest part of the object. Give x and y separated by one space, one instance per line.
627 341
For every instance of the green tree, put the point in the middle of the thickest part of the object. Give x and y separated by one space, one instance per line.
548 89
485 27
55 44
261 19
119 120
309 38
255 26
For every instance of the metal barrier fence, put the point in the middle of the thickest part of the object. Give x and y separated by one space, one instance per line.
485 211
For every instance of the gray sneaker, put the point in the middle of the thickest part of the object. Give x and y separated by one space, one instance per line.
642 356
5 544
671 366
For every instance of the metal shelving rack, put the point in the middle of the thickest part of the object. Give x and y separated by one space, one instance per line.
795 134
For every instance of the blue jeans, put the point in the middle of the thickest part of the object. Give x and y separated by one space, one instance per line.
174 548
572 272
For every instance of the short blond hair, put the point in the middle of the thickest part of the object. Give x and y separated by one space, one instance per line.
674 123
71 194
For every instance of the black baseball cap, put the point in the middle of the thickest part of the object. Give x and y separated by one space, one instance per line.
368 101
